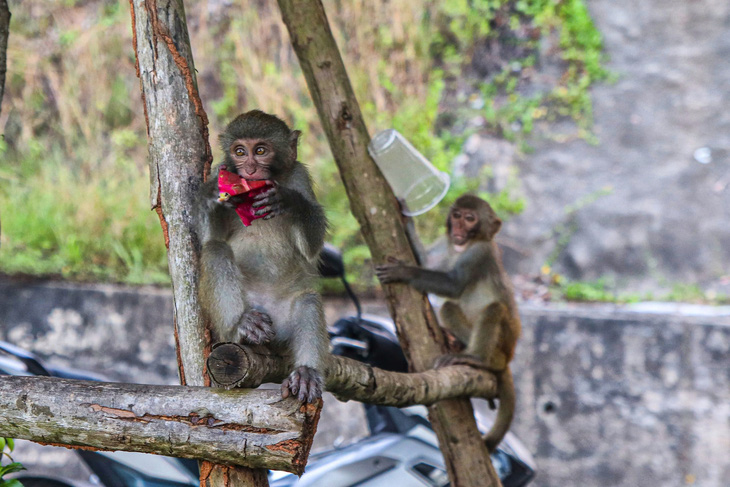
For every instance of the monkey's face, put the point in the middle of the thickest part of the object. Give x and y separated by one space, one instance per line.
252 158
463 225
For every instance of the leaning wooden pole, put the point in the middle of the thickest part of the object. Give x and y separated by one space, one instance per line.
4 34
179 159
375 207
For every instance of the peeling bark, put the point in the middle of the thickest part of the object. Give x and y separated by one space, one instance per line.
376 210
178 156
179 159
234 365
243 427
4 33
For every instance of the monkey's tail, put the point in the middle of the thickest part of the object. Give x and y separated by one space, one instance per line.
505 412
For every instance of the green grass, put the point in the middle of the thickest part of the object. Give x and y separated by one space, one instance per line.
83 227
604 290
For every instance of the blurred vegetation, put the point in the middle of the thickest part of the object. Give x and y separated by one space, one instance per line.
12 467
73 188
605 290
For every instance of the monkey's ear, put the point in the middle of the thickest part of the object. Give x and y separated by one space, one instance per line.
293 141
493 228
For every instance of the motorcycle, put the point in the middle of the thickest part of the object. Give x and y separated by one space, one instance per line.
401 448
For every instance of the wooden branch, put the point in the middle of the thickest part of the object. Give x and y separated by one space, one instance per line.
179 154
180 160
234 365
375 207
4 34
242 427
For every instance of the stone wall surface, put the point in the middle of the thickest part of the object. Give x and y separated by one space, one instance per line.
621 396
663 153
615 397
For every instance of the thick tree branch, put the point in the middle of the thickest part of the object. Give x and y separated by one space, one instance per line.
180 159
4 34
233 365
242 427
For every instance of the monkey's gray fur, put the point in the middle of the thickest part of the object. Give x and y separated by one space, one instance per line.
258 283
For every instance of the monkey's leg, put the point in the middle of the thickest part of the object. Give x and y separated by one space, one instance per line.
486 335
306 334
454 320
221 289
223 297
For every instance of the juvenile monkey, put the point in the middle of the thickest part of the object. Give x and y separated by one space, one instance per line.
258 283
466 269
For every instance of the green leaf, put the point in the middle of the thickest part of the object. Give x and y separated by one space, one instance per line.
11 468
11 483
11 443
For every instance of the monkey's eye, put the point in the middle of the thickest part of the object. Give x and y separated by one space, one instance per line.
239 151
260 151
470 218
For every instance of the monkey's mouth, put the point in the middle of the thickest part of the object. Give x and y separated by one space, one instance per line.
458 238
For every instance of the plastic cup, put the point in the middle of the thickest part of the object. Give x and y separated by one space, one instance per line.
413 179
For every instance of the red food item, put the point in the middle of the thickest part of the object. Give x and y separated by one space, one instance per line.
231 184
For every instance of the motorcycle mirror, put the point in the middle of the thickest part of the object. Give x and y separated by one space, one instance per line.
330 262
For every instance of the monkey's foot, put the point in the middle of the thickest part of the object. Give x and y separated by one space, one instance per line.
460 359
455 345
256 327
305 383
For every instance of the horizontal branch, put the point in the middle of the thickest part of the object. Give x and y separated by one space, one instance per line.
243 427
233 365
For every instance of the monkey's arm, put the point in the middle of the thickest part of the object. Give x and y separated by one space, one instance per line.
416 244
412 235
451 284
448 284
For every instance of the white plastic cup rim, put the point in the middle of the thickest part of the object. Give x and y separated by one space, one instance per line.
447 181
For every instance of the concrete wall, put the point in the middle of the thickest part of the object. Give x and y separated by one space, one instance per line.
610 397
631 396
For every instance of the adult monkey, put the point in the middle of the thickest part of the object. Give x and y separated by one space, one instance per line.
258 283
466 269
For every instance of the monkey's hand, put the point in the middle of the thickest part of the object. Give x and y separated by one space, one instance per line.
271 201
305 383
255 327
394 271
